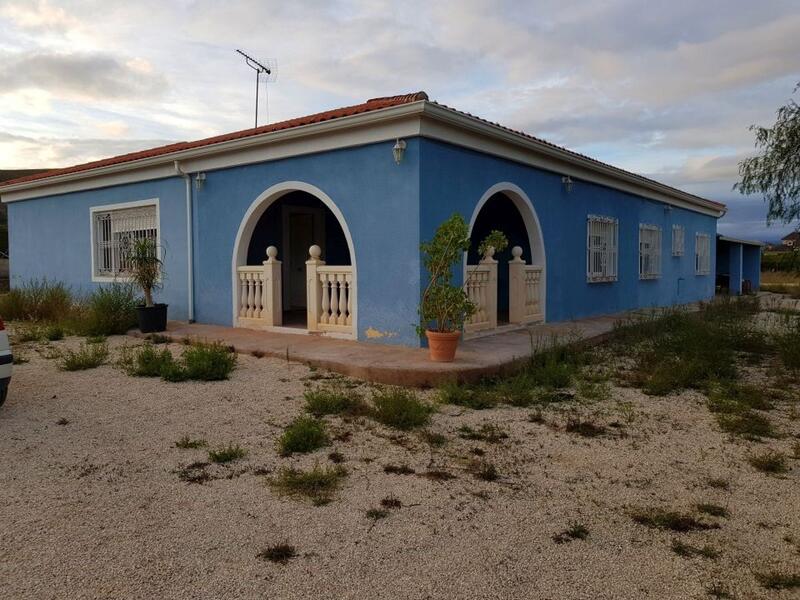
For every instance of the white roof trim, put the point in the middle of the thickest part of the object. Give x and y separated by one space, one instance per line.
725 238
407 120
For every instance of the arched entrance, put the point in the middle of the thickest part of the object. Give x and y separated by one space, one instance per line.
283 290
519 270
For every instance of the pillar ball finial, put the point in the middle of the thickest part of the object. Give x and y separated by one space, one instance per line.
516 252
315 252
272 252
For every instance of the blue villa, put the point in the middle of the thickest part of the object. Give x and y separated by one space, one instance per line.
343 198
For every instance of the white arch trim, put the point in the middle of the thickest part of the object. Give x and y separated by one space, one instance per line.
535 238
257 208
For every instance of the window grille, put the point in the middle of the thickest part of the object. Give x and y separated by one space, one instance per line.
677 240
601 248
702 254
115 231
649 251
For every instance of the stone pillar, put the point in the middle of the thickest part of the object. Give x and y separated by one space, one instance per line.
491 292
313 287
273 289
516 287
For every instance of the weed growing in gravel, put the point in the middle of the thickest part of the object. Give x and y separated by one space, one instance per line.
575 531
400 408
554 367
715 510
687 550
769 462
432 438
488 432
796 451
96 339
146 361
597 391
227 454
536 416
304 434
438 475
398 469
62 421
318 484
20 358
484 470
778 580
749 425
666 519
158 338
208 361
391 501
336 457
718 590
187 443
468 396
334 401
86 357
584 427
53 332
734 405
279 553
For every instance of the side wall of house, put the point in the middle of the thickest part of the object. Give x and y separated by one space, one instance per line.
50 237
453 179
751 265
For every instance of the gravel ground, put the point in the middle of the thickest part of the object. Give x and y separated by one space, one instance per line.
93 507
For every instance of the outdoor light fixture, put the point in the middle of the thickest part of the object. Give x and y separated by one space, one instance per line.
567 181
398 150
199 180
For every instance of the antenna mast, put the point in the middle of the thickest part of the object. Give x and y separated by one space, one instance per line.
269 73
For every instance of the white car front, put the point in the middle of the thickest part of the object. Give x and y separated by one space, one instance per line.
6 360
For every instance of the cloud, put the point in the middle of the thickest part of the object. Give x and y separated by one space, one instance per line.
38 16
89 76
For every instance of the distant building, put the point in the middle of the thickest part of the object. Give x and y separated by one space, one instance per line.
792 240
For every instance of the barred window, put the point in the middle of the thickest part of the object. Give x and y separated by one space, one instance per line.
115 231
649 251
601 248
702 254
677 240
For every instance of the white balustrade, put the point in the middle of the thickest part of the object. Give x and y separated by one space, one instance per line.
481 289
331 294
524 289
260 302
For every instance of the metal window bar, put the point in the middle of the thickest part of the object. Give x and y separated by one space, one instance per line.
649 251
677 240
115 233
601 248
702 254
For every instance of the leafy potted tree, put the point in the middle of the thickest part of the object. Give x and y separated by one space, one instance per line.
145 271
445 307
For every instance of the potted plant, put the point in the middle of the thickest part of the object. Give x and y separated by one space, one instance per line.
145 271
445 307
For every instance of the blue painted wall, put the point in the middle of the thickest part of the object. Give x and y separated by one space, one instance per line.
388 208
50 237
735 269
751 265
454 179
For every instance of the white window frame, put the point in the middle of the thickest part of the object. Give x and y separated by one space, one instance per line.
606 252
110 208
702 254
678 240
649 251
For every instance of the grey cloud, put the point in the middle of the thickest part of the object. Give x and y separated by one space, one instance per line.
97 76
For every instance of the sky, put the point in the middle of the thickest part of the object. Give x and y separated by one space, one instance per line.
664 89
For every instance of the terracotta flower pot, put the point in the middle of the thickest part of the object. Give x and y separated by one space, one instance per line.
442 345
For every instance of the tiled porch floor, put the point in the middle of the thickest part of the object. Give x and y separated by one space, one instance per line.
476 358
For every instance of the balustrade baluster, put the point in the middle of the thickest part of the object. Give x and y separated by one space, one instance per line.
326 303
349 320
249 295
334 299
257 298
342 299
243 295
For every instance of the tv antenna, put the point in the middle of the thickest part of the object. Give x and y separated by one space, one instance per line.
267 73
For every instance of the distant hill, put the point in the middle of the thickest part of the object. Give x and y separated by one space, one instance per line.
5 175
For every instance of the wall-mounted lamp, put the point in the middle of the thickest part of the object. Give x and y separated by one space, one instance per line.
566 180
199 180
398 150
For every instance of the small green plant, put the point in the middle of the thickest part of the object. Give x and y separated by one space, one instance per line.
148 361
584 427
657 518
719 483
465 395
796 450
37 300
159 338
304 434
484 470
432 438
596 391
488 432
336 457
86 357
226 454
377 513
279 553
145 267
400 408
208 361
96 339
187 443
194 473
334 401
319 484
27 333
715 510
769 462
19 358
108 310
391 501
53 332
687 550
718 590
575 531
778 580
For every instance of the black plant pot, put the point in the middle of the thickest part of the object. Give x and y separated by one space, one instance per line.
152 318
